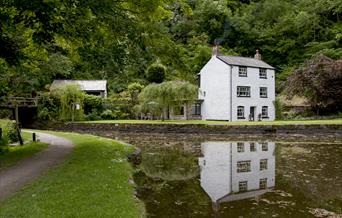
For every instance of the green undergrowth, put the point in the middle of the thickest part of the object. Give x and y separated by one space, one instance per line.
92 182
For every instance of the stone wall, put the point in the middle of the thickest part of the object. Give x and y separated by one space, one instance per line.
200 128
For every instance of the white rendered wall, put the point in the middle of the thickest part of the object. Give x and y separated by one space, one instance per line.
255 83
215 90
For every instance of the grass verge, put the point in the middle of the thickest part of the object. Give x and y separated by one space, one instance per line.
17 153
92 182
208 122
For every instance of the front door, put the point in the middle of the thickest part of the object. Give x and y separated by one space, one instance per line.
252 113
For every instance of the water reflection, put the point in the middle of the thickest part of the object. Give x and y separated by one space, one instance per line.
233 171
198 177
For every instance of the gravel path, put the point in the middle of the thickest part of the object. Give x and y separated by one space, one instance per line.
25 171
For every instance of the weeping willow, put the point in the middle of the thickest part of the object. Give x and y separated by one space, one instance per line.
70 96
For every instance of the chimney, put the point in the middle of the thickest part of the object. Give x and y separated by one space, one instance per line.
257 55
215 50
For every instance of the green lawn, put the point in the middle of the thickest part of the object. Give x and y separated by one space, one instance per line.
205 122
93 182
17 153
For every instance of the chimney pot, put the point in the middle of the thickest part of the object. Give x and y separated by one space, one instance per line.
215 50
257 55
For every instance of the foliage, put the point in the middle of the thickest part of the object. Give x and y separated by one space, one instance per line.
92 102
126 42
156 73
9 132
69 96
320 81
278 109
134 90
164 96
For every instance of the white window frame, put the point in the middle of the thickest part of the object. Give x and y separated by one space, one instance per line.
263 92
262 73
243 186
252 145
263 164
242 71
264 146
240 147
264 112
243 166
241 112
263 183
243 91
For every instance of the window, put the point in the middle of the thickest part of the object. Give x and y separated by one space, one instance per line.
264 146
243 186
240 147
243 166
241 112
244 91
242 71
263 183
264 112
252 147
196 109
263 92
262 73
263 164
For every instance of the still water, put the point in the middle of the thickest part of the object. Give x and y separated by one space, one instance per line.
205 177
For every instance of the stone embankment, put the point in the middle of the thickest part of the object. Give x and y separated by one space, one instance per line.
324 129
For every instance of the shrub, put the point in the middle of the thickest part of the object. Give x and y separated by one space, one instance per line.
107 115
92 102
69 96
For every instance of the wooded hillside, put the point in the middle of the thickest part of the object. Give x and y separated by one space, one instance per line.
118 40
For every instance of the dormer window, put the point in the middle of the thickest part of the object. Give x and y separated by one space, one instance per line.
242 71
262 73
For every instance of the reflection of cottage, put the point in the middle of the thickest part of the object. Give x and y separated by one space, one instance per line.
237 89
91 87
233 171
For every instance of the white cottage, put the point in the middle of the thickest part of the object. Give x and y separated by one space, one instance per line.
236 88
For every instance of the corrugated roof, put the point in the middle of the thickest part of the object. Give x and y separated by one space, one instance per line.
86 85
243 61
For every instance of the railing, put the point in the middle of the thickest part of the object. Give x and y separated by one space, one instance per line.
12 102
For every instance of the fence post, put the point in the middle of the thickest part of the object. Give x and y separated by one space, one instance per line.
0 133
34 136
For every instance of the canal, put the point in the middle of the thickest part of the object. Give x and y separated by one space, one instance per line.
206 176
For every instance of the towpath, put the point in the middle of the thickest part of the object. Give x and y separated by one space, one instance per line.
25 171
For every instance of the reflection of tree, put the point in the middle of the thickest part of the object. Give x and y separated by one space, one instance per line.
314 172
181 198
169 164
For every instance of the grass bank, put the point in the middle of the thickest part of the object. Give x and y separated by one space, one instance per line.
17 153
207 122
92 182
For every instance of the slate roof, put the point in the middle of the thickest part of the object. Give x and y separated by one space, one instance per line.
86 85
243 61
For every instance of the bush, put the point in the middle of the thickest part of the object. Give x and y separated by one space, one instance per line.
9 131
92 102
94 115
107 115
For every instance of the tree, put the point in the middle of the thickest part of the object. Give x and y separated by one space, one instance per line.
156 73
168 95
70 96
320 81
